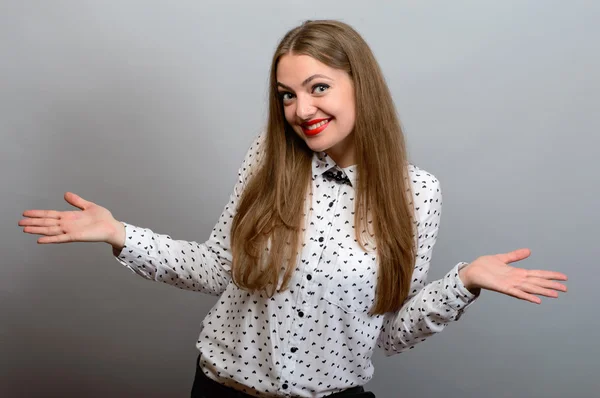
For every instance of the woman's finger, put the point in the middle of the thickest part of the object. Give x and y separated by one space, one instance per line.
535 289
39 222
513 291
64 238
42 214
549 284
514 256
49 231
559 276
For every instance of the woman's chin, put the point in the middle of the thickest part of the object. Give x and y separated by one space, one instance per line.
316 146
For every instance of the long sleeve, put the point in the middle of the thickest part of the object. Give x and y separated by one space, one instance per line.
203 267
428 308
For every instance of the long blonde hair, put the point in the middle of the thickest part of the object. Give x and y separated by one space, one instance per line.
270 211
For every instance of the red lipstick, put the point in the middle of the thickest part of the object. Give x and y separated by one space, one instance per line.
312 123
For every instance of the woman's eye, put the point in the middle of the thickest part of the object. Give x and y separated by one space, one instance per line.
320 88
285 96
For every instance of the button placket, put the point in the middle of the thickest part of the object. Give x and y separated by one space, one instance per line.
305 300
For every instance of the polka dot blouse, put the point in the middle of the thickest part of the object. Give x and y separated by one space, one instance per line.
316 338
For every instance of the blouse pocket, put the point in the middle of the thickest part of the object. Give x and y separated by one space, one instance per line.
351 284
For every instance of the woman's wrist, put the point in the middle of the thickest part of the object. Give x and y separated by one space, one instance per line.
117 236
465 276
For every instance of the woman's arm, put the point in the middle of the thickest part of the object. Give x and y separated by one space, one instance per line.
428 308
203 267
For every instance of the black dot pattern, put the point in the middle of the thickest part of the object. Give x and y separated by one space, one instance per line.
316 338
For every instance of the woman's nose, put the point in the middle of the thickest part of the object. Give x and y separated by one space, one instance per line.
305 109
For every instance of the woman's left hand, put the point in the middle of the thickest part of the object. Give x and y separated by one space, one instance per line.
493 273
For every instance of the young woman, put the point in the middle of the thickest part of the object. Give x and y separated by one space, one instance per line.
323 250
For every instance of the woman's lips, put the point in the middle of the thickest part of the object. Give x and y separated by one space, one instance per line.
318 129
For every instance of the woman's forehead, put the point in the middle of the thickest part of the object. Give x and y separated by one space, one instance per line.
295 69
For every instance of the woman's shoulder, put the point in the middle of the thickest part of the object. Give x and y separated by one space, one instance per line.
256 149
426 193
426 188
253 157
421 177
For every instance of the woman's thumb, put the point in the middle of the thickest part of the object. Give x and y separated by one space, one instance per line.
77 200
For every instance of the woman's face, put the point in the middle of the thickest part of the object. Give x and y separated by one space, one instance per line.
318 103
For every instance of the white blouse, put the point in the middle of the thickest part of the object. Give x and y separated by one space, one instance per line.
315 338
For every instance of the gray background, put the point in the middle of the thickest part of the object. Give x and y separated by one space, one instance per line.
147 108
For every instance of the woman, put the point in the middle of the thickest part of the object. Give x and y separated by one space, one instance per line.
324 248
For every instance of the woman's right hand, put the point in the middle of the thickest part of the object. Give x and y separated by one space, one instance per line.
93 224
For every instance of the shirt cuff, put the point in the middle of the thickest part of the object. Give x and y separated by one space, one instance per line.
459 298
136 251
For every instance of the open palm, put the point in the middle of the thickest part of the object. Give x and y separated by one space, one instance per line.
92 223
493 272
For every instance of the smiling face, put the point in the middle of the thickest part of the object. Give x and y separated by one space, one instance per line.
318 102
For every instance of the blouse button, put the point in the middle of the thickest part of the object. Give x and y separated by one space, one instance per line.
294 349
321 239
284 386
309 276
300 314
331 204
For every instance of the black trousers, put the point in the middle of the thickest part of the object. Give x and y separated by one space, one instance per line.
205 387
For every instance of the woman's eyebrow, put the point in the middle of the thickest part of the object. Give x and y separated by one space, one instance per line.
306 81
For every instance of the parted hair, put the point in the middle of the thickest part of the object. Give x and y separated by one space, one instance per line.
266 232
